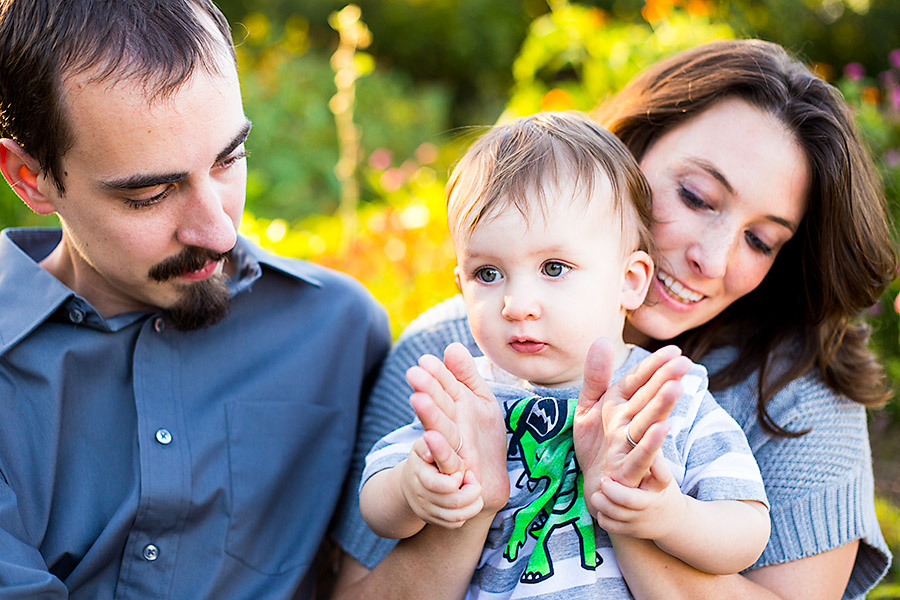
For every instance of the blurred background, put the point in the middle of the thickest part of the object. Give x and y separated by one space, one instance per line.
360 110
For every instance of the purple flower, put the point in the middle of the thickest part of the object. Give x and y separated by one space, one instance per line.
854 71
892 158
894 58
894 95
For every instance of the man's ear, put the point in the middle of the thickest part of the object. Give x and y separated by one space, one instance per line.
636 283
22 173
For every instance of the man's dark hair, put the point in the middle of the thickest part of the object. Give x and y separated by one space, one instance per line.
157 43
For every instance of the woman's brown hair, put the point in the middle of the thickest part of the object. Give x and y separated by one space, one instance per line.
842 256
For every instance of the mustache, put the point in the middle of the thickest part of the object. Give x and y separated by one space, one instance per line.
190 259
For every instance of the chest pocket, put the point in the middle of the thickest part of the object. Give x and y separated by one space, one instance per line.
287 461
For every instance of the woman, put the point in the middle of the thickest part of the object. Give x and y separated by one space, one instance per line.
772 237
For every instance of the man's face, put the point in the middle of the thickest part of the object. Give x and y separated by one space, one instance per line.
154 195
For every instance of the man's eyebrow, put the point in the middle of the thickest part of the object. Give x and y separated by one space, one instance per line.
138 182
239 139
141 181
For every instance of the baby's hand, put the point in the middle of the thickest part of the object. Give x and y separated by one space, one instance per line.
447 500
651 511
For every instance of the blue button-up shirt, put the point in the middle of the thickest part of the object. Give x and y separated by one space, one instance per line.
139 461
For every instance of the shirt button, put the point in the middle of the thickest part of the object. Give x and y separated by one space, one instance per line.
150 552
163 436
76 316
159 324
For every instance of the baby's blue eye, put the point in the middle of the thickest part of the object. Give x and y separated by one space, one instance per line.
553 268
487 274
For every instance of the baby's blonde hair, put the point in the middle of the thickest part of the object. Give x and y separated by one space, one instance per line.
510 165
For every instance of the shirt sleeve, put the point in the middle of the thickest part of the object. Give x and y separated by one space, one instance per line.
23 572
391 450
716 462
386 410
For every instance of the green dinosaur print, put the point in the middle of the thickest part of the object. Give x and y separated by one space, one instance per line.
542 440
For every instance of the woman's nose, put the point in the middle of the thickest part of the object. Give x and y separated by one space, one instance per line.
710 254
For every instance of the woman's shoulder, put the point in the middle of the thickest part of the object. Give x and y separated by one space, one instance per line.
819 483
436 328
805 403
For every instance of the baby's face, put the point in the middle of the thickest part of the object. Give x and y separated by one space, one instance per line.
539 292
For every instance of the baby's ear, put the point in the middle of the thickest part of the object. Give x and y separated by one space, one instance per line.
22 173
636 283
456 276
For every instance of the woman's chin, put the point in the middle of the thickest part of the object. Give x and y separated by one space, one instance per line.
648 325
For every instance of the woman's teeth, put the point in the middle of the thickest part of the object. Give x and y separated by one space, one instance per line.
678 291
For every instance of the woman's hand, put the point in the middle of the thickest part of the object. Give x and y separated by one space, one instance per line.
459 411
639 404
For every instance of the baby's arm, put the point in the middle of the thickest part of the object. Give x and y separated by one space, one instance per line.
719 537
398 502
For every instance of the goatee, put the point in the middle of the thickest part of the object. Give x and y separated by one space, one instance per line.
201 304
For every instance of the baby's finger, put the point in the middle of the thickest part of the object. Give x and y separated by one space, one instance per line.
608 510
422 450
659 477
458 498
626 500
439 486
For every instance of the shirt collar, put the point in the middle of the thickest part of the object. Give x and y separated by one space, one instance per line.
248 257
29 295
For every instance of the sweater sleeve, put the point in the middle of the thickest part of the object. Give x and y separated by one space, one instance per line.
387 409
820 484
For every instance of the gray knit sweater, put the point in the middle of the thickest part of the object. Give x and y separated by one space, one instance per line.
820 485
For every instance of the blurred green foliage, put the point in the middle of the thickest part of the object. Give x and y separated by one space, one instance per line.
466 46
877 104
889 518
293 147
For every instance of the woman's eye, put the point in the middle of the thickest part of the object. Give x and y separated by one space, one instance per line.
553 268
487 274
691 199
757 244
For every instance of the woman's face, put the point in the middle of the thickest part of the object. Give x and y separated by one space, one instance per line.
729 190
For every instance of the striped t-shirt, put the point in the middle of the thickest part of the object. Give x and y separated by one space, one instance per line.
543 544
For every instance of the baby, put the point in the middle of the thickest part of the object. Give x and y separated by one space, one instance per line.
550 219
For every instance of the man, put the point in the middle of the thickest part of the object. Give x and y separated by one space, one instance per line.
179 407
